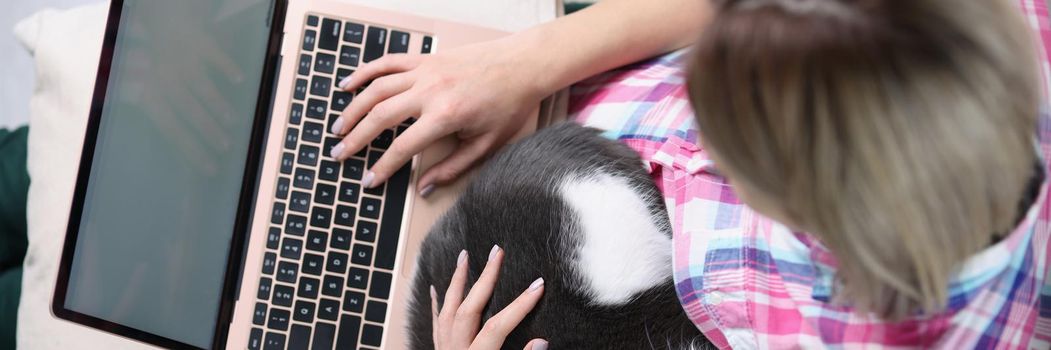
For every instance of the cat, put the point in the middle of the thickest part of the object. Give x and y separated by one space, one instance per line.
580 211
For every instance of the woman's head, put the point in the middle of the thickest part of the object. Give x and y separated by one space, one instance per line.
897 131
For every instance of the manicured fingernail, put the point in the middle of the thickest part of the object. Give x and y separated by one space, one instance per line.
540 345
337 150
343 83
492 253
536 284
337 126
426 191
367 181
460 260
434 294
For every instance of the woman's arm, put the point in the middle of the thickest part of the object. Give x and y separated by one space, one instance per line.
483 93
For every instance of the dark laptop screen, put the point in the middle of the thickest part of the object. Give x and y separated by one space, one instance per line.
162 196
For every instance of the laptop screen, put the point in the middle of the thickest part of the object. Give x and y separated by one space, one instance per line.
166 176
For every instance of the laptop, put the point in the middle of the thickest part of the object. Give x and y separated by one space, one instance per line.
207 211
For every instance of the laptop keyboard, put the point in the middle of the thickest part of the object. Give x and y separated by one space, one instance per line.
331 248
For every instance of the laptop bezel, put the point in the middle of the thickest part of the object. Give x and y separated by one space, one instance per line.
231 279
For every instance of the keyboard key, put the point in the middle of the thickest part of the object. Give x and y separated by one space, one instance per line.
374 156
304 64
278 319
317 240
353 32
323 336
308 155
343 73
296 225
390 227
349 192
269 263
325 63
341 239
399 42
349 55
337 262
328 309
377 190
259 315
264 288
304 179
308 40
321 217
329 171
274 341
371 335
320 86
255 339
325 194
357 278
287 271
349 326
354 302
312 132
312 21
308 287
298 337
376 311
380 285
295 115
329 36
345 215
273 238
316 109
300 92
330 141
384 139
287 161
283 185
340 101
291 248
362 255
332 286
300 202
375 43
313 264
370 207
427 43
366 231
291 138
278 213
283 295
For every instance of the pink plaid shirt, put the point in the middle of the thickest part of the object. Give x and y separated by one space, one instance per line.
750 283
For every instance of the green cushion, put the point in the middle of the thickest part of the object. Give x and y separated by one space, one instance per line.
14 186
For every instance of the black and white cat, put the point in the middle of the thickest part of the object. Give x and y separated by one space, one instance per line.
578 210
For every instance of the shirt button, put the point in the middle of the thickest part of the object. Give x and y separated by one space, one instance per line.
715 298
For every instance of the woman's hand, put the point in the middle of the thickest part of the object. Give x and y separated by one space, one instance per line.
479 93
456 326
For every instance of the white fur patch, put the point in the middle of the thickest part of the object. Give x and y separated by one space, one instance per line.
622 251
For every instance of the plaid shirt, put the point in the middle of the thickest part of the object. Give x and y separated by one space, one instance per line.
751 283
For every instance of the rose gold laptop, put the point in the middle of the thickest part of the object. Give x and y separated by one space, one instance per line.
207 212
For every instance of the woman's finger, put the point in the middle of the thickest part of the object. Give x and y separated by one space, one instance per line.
388 64
380 90
536 344
413 141
383 116
434 317
448 169
470 312
500 325
453 296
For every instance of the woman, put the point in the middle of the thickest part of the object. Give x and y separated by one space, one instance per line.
887 152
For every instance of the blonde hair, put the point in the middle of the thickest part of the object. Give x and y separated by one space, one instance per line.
899 132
